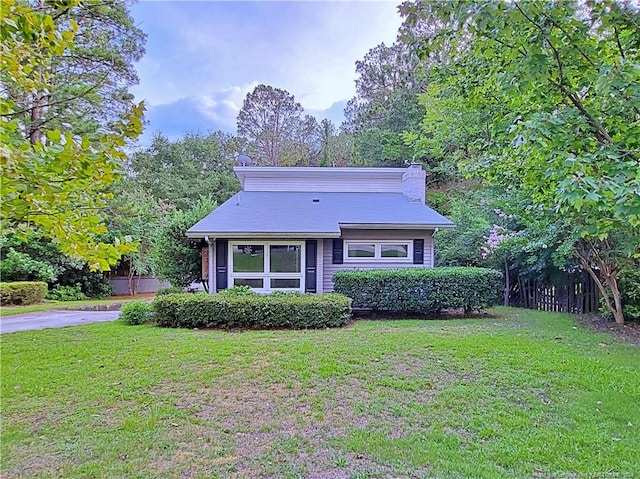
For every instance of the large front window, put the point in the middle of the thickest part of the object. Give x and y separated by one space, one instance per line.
267 266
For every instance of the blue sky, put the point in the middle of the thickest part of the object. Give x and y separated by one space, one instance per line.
203 57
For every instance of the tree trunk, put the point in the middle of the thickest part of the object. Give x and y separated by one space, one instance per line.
612 283
35 131
507 280
617 312
130 277
136 284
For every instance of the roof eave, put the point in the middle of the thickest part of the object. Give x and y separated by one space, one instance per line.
398 226
259 234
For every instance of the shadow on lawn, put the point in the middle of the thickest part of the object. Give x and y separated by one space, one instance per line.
445 314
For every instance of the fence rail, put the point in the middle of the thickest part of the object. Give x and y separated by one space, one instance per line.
573 294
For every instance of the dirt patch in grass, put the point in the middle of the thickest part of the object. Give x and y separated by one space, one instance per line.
629 332
140 296
290 428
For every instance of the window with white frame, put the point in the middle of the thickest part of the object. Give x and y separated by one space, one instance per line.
267 266
378 250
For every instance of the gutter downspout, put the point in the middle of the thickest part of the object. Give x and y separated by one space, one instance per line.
210 271
433 248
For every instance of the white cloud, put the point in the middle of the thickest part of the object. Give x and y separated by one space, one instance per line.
206 56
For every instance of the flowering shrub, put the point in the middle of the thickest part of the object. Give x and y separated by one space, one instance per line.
497 236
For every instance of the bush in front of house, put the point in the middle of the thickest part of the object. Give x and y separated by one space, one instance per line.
135 312
22 292
303 311
421 290
170 290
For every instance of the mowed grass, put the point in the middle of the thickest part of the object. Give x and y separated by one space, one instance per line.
520 394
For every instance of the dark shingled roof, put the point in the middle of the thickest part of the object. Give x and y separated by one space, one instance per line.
253 213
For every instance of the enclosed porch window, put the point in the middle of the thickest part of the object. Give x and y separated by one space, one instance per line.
267 266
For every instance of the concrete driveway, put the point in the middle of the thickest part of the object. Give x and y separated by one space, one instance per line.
53 319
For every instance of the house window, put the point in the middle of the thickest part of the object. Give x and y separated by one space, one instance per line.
267 266
256 283
399 251
248 258
361 250
391 250
285 258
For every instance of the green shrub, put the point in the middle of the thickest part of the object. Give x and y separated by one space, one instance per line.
16 266
285 294
66 293
135 312
252 311
236 291
171 290
421 290
22 292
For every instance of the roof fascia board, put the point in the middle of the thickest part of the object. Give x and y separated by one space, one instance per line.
390 226
245 235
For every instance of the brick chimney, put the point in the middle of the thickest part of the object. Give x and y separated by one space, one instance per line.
413 183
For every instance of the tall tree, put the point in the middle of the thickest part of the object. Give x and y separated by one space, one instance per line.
560 81
385 105
336 147
88 86
269 118
303 148
382 71
52 180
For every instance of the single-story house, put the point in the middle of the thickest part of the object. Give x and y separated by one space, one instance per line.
291 229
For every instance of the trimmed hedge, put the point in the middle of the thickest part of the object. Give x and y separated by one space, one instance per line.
421 290
251 311
22 292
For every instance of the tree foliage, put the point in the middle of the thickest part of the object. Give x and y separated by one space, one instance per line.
53 181
176 257
37 258
88 83
560 85
385 106
179 172
135 213
335 146
269 118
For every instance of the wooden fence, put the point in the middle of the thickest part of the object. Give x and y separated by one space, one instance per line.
572 294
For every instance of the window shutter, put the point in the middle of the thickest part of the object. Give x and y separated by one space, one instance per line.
418 251
338 246
222 248
311 248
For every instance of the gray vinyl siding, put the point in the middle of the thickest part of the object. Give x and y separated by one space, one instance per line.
374 235
326 184
320 267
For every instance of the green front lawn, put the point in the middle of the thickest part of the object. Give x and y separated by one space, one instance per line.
523 394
